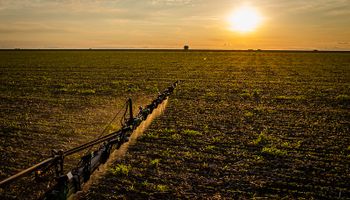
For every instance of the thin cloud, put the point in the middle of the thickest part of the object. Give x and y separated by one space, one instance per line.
302 6
171 2
25 27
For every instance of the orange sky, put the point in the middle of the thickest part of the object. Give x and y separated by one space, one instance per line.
297 24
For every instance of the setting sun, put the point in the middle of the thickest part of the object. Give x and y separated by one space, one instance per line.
245 19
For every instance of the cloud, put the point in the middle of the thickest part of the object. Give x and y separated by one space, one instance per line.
171 2
28 27
339 12
302 6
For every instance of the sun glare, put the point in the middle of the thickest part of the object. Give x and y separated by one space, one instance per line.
245 19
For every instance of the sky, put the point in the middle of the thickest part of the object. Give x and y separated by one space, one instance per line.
201 24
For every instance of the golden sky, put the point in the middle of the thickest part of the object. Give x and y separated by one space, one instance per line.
202 24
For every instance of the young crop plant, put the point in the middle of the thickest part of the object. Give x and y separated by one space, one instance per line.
259 158
284 97
188 154
152 89
256 96
176 136
248 114
273 151
131 188
209 147
245 95
259 109
145 183
155 162
166 153
343 98
210 95
192 133
161 188
168 131
216 139
120 169
262 139
132 88
290 145
150 135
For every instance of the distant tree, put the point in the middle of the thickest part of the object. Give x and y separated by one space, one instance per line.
186 47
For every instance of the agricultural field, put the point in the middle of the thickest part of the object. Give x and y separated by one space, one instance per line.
239 125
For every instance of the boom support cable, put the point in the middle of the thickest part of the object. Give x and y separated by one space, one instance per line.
108 125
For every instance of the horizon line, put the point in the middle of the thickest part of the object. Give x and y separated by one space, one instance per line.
178 49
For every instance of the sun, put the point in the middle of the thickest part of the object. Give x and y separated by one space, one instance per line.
245 19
